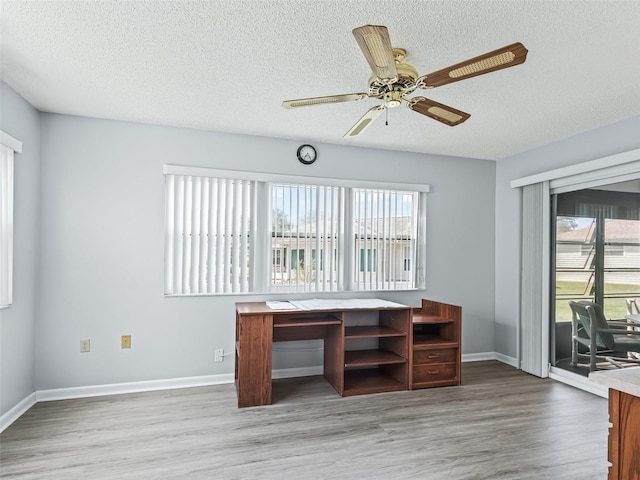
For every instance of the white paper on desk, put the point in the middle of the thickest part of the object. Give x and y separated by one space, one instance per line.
344 304
280 306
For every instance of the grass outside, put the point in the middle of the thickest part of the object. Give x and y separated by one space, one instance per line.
614 308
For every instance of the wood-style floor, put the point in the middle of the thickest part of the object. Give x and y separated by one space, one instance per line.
501 424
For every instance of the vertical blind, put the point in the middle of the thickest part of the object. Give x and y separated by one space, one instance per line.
306 233
533 313
254 233
208 234
6 225
386 231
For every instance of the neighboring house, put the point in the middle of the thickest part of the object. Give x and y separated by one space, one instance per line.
575 252
384 250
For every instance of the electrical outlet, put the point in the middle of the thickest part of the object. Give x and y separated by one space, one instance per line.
125 341
85 345
219 355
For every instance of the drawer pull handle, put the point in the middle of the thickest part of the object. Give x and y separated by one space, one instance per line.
433 372
433 355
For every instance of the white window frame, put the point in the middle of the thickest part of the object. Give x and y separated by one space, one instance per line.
9 146
262 255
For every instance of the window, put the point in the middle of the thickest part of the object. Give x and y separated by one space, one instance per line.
8 145
252 235
386 231
208 235
305 223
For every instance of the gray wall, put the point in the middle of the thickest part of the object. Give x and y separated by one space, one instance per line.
17 323
608 140
102 246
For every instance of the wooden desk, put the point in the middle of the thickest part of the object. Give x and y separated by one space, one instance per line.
350 368
370 346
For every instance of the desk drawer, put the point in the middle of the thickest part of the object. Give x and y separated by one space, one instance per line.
438 355
434 372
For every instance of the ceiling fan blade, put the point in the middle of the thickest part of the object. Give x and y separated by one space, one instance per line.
366 120
438 111
306 102
504 57
376 46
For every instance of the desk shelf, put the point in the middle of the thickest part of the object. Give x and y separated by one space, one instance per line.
362 358
372 331
422 318
426 342
305 321
370 380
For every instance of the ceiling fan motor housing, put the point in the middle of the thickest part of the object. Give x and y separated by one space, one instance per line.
407 76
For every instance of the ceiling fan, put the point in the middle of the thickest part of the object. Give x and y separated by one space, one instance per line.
393 80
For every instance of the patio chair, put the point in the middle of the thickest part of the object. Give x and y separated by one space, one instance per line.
633 306
609 341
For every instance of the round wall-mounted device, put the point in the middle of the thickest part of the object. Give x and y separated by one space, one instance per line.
307 154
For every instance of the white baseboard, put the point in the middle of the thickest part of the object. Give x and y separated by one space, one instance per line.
185 382
480 357
578 381
15 413
132 387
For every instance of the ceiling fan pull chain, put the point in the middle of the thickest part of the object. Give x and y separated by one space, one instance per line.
386 117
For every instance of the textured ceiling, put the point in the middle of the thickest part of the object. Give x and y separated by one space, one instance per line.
227 65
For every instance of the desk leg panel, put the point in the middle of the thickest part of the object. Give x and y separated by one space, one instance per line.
255 336
334 357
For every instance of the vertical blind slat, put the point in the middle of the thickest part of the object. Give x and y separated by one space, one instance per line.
213 236
244 251
169 233
178 229
194 280
204 235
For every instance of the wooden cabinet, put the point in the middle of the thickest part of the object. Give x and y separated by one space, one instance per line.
435 345
624 435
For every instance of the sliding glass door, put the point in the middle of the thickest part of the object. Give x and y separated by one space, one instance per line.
596 257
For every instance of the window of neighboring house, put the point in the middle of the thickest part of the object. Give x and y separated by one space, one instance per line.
368 260
407 259
8 146
276 256
250 234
